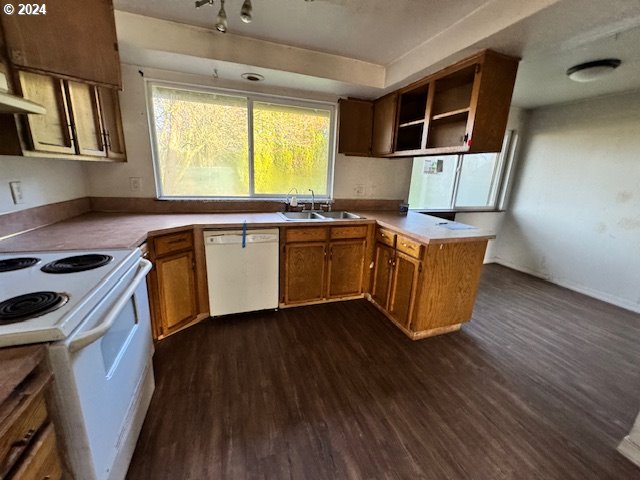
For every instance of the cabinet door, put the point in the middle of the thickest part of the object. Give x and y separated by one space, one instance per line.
356 125
75 38
85 117
112 122
304 272
176 290
49 132
384 124
403 288
346 267
382 274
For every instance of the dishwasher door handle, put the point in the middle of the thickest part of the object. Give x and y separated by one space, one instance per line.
237 239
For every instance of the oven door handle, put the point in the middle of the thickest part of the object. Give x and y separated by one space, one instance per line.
94 334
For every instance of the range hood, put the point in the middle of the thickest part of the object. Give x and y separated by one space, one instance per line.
13 104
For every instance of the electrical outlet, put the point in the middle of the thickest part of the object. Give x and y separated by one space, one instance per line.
135 183
359 190
16 192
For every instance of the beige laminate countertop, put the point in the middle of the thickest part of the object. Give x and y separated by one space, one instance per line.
98 231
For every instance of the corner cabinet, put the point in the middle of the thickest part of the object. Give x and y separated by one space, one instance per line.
323 263
425 289
82 122
174 283
461 109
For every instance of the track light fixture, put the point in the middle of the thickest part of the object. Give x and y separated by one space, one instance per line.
246 13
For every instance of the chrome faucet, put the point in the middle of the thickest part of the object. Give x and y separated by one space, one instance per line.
313 200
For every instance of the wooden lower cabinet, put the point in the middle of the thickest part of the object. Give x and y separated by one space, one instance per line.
346 268
305 272
28 447
177 290
430 291
323 263
175 283
403 288
383 270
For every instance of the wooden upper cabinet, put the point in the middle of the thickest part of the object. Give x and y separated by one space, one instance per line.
50 132
111 122
356 125
76 39
87 125
384 125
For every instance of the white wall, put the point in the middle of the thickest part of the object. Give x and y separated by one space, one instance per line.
381 178
574 218
44 180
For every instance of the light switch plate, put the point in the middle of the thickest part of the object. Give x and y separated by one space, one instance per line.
16 192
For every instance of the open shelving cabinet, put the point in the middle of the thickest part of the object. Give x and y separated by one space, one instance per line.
461 109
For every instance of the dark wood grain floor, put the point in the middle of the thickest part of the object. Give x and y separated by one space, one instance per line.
542 384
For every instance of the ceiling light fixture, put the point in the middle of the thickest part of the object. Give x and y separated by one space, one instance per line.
246 13
252 77
590 71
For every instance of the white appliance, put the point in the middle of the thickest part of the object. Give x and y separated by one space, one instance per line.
242 270
100 353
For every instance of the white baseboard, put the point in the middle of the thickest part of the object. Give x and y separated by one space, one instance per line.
605 297
630 449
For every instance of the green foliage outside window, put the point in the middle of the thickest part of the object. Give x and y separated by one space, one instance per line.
202 145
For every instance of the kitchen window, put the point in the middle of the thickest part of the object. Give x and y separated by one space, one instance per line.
222 144
478 181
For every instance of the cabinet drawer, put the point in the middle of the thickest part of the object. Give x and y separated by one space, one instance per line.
356 231
386 236
408 246
310 234
19 429
175 242
42 461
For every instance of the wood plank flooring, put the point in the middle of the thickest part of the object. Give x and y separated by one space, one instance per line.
542 384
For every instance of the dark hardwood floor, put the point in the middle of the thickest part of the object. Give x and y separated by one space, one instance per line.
542 384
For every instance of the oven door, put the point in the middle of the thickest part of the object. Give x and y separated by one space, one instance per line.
104 364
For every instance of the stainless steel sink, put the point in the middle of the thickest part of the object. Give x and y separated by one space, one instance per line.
301 216
340 215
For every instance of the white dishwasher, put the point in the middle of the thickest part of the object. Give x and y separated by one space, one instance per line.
242 270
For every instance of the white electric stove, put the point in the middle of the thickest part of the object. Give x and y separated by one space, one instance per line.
92 310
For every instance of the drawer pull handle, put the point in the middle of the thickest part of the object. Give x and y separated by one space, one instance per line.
25 440
177 240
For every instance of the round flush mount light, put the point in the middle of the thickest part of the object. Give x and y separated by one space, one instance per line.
252 77
590 71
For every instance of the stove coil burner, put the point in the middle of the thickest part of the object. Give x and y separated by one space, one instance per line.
11 264
24 307
79 263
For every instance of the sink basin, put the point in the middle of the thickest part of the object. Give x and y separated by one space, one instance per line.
340 215
301 216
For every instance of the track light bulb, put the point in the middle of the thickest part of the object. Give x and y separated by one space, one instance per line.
221 21
246 11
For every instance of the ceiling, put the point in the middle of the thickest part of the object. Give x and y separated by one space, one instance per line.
378 31
423 35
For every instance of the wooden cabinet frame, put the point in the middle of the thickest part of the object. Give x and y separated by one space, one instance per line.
328 239
437 293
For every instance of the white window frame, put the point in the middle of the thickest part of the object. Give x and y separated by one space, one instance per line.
251 97
500 181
